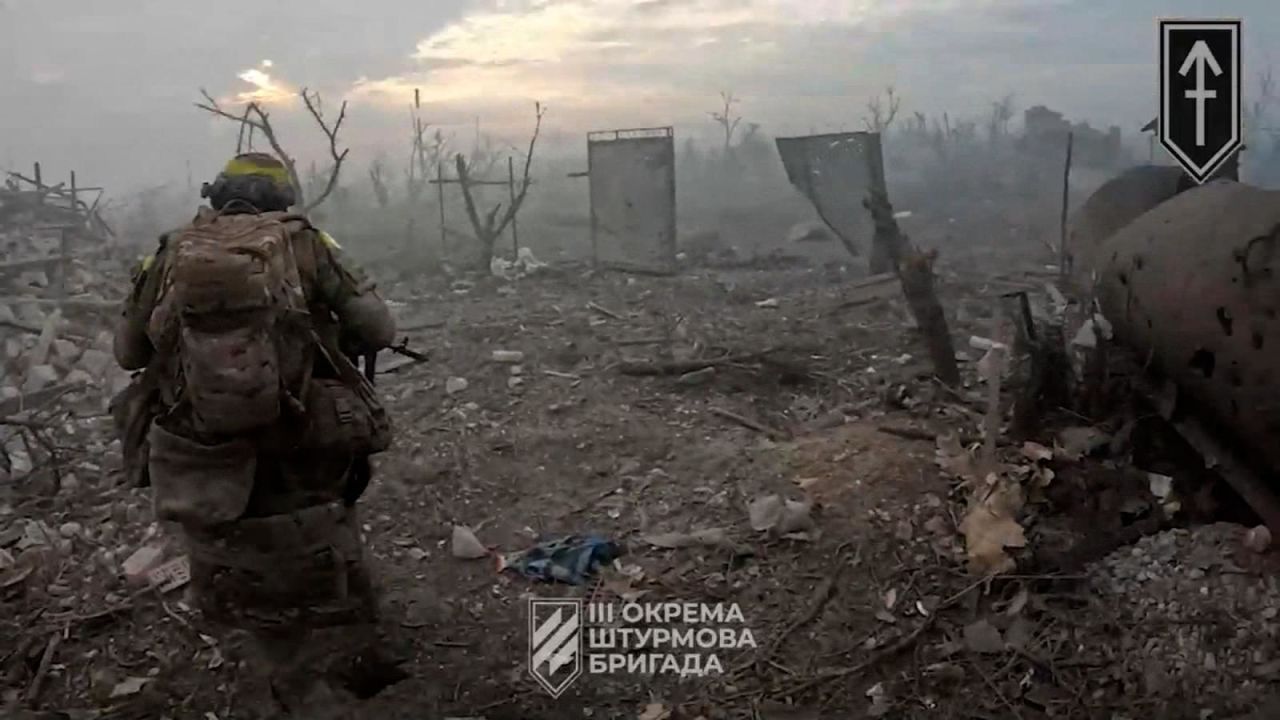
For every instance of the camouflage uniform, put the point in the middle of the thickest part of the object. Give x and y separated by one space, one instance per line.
292 568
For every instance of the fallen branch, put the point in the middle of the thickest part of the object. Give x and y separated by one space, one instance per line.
424 325
746 422
403 349
896 648
864 292
680 367
42 671
824 591
22 423
82 303
604 311
922 435
37 399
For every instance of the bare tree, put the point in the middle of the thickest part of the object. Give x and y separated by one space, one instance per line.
255 119
491 227
880 115
1001 114
377 177
918 126
419 170
726 119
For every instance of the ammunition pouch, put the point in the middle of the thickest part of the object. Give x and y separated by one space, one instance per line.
198 485
344 416
133 410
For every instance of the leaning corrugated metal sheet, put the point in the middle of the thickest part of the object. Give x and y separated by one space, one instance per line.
1192 285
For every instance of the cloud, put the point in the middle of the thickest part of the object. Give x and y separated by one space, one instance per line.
266 89
600 61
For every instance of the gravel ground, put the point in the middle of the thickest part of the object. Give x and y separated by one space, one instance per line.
1198 615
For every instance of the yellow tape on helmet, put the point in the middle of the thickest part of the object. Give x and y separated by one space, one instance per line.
241 166
327 239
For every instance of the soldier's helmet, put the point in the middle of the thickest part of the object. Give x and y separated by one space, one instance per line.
256 179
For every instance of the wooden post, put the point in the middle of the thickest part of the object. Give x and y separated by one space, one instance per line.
1062 226
591 210
511 190
39 185
440 199
64 266
75 203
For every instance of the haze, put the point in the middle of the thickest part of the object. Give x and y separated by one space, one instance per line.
106 88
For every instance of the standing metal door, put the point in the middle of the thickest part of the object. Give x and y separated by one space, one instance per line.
633 199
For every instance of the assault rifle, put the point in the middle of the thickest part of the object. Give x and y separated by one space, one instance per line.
361 470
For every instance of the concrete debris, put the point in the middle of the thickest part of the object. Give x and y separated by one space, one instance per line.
1258 539
1201 611
143 560
465 545
96 362
772 513
524 264
809 232
61 271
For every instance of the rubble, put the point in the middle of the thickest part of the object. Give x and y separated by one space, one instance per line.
53 291
1209 624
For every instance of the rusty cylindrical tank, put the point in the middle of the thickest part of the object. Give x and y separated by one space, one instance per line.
1192 284
1112 206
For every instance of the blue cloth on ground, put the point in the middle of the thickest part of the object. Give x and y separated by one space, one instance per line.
572 559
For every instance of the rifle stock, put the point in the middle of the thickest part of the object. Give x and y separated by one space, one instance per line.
361 469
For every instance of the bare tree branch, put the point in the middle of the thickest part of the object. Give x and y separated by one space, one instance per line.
464 180
488 230
377 177
244 124
263 125
257 119
312 101
725 118
881 117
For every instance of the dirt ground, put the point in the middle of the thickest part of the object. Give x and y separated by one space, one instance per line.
870 612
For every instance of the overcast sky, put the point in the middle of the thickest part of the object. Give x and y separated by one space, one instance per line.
106 86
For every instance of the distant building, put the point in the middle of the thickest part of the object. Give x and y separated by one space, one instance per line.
1045 129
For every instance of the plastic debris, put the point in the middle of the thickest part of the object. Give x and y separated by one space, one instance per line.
573 559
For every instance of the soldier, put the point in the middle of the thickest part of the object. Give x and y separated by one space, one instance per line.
256 427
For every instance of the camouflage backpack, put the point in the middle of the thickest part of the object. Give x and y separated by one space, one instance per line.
231 322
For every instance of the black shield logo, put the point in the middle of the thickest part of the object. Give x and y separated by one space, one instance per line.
1200 93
